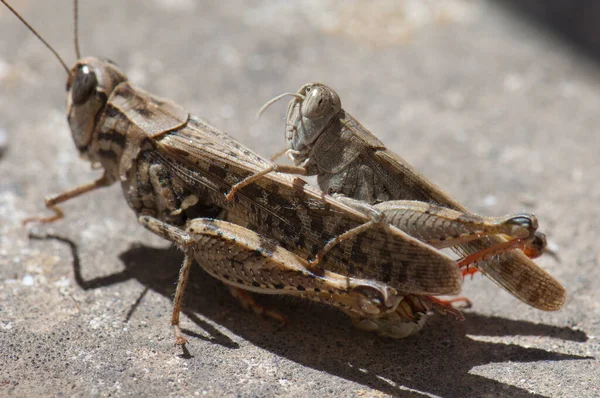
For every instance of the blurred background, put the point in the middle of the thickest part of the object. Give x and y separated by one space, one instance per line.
574 21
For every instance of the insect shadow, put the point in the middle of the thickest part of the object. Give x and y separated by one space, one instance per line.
155 269
436 361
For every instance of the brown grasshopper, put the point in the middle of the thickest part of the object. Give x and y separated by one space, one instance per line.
349 161
175 170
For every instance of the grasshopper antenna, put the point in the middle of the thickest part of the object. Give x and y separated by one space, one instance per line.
76 27
274 100
64 65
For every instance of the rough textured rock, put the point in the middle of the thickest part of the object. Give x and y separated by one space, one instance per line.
499 113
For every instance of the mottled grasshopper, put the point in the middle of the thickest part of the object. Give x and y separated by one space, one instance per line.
175 170
349 161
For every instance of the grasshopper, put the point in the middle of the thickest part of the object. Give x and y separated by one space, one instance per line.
349 161
175 171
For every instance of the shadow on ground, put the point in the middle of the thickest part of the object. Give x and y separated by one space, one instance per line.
436 361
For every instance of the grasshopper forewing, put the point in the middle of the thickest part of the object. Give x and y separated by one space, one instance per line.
175 170
325 140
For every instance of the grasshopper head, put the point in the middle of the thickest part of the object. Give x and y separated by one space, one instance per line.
89 85
309 114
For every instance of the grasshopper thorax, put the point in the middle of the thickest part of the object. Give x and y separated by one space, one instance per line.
310 116
89 85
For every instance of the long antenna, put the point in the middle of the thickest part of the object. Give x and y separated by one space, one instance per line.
76 27
275 99
64 65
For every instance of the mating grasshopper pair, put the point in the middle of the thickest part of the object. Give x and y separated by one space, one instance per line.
351 163
176 172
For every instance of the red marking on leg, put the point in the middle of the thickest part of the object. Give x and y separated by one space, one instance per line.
469 271
517 243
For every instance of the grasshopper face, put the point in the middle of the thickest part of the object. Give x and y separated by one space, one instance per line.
307 118
89 85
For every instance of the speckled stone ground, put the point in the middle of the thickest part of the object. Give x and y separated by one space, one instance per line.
499 113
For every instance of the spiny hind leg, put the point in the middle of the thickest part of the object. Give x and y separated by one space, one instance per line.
245 260
196 236
442 227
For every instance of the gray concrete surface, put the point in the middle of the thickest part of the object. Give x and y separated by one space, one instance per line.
499 113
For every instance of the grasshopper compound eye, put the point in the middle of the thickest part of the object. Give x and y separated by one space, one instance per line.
523 225
84 85
318 102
